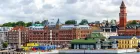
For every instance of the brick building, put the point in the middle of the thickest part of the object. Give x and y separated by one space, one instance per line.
70 32
15 33
53 32
126 30
122 15
44 34
36 33
131 30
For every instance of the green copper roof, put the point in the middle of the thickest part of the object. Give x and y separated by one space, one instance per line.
97 35
93 38
37 25
89 40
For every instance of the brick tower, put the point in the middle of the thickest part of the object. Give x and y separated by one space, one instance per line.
122 15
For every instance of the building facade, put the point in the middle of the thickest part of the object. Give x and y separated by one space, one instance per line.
131 30
17 35
57 34
124 29
70 32
4 33
126 42
109 28
109 31
122 15
95 41
36 33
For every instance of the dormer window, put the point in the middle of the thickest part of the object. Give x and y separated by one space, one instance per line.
51 22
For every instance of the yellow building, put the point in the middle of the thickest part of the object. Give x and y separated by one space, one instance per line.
28 46
32 44
126 42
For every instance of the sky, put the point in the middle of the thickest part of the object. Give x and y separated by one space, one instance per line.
92 10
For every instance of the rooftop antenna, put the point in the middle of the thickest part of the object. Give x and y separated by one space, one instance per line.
32 23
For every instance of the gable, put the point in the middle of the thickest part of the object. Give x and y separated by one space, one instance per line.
134 37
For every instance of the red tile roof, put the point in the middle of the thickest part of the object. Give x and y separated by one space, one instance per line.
22 28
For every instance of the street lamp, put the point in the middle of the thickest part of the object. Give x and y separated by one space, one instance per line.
51 36
19 46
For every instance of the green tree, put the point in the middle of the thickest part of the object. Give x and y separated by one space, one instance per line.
83 22
4 44
20 23
13 24
37 22
5 24
9 24
70 22
132 23
28 24
44 21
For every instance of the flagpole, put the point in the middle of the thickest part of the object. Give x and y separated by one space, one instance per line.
19 38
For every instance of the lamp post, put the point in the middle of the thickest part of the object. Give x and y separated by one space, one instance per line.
19 45
51 36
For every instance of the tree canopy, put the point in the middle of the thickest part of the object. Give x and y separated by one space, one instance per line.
10 24
83 22
28 24
4 44
70 22
37 22
133 23
19 23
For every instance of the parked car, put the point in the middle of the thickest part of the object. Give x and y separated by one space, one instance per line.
19 49
3 49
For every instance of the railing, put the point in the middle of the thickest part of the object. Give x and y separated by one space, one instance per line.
13 53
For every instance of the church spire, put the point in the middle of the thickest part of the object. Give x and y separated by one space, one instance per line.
58 22
32 23
122 5
123 15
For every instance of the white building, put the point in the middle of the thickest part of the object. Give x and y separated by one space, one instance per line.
107 32
3 34
109 28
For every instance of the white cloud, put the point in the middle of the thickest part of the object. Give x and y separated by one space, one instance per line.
28 10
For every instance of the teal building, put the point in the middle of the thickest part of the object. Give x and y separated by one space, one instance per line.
94 41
